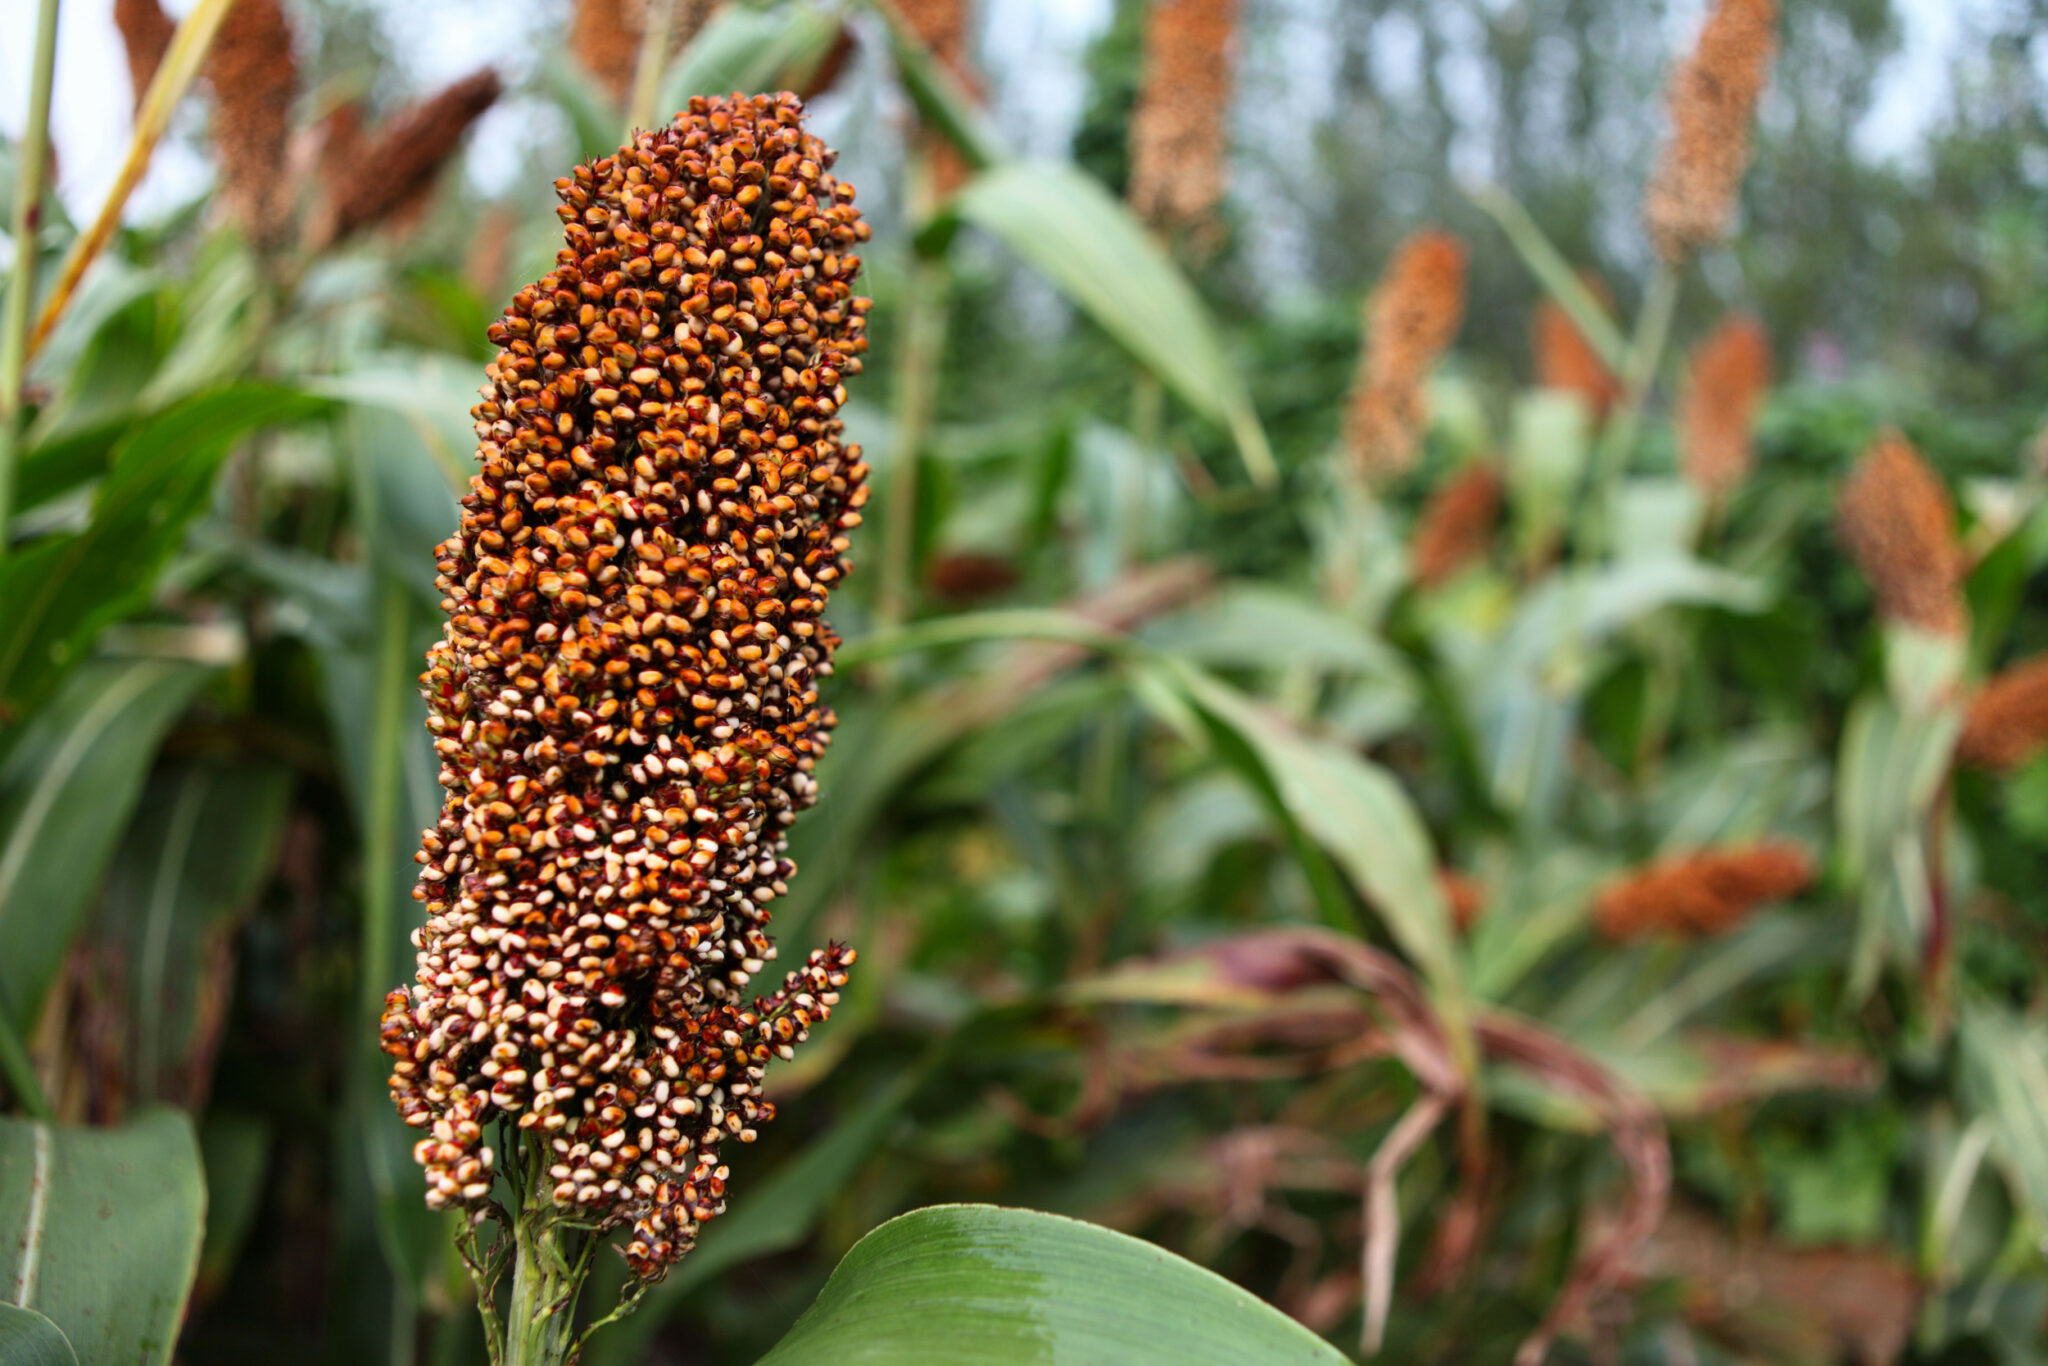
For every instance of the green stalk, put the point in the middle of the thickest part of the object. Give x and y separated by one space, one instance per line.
544 1285
654 44
174 76
33 159
1555 274
1618 441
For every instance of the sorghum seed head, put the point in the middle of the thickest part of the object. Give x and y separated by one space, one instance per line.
145 33
1701 893
1456 525
1180 135
1409 322
1566 360
370 180
605 36
254 78
625 699
1713 97
1729 373
1465 895
1898 524
2006 726
945 27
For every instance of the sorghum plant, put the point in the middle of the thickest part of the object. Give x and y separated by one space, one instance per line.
626 705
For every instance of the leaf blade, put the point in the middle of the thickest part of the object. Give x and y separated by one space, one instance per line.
974 1285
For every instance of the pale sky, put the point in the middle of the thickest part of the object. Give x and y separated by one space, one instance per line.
444 38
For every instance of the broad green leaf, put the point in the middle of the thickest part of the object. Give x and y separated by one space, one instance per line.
29 1339
61 590
1356 811
1550 440
192 861
1890 770
236 1152
1255 625
2005 1076
1070 229
66 791
974 1285
743 48
100 1229
775 1215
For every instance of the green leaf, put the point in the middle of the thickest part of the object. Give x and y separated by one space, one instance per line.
2005 1076
61 590
1891 768
1353 808
940 98
29 1339
207 837
100 1229
1555 274
1075 233
66 791
743 48
973 1285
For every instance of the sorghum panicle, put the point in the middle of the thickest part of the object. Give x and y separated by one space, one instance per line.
255 78
146 35
1701 893
1410 321
386 177
1896 519
605 36
1180 134
945 27
1464 894
1566 360
626 696
1456 526
1728 376
1713 98
2006 726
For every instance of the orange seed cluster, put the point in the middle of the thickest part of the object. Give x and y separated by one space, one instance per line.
1714 95
1410 321
1702 893
625 699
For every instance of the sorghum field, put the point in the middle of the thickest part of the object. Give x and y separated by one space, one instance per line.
1117 682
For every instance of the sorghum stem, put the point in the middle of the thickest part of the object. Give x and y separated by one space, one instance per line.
647 72
1617 442
545 1282
33 159
174 75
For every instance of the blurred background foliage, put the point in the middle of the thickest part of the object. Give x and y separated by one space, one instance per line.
1225 865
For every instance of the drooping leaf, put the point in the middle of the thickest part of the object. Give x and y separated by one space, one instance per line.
61 590
1357 812
66 791
29 1339
100 1230
974 1285
1071 230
